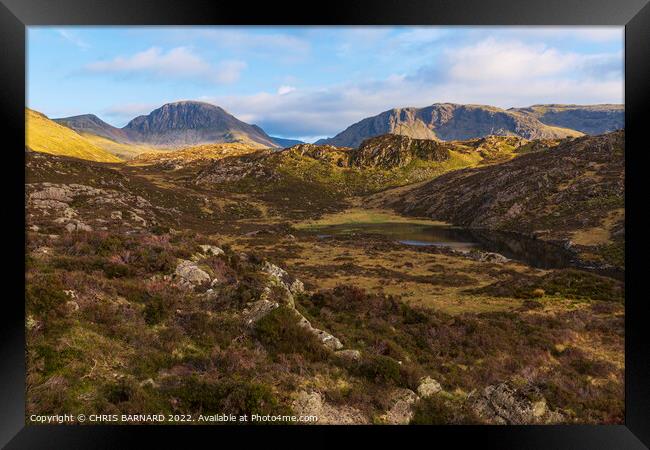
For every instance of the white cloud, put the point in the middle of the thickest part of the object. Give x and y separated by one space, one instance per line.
179 62
73 38
494 60
284 90
505 74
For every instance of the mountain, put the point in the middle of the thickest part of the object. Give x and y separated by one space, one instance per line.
172 125
47 136
448 121
572 193
286 143
588 119
188 123
91 124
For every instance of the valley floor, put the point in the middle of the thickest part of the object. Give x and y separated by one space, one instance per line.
149 293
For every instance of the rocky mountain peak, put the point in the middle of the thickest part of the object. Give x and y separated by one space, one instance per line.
190 122
448 122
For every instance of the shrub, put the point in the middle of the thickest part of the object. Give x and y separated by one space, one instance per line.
227 396
44 293
119 392
159 230
154 260
156 309
55 360
441 410
381 369
116 270
279 332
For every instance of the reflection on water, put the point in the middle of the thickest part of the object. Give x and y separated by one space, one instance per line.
533 252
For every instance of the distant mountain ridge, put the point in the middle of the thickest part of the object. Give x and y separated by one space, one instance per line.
286 143
90 123
588 119
189 123
178 124
449 121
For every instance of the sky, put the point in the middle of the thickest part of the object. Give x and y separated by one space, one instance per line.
312 82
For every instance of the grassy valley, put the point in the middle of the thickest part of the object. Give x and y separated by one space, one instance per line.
198 281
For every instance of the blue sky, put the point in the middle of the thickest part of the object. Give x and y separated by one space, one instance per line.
311 82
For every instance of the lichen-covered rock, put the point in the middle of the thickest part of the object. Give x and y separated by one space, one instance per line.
490 257
56 193
282 293
76 225
328 340
211 250
428 387
503 404
71 306
349 355
312 404
294 285
190 275
49 201
31 323
136 218
401 412
255 311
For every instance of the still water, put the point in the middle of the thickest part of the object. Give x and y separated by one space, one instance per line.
531 251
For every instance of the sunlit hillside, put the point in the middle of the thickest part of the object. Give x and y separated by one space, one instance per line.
124 151
44 135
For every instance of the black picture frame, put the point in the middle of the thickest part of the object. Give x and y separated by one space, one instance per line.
15 15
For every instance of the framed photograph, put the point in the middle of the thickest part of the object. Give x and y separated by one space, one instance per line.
377 219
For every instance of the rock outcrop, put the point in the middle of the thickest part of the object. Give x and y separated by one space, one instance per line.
190 275
503 404
328 340
290 286
279 275
312 404
428 387
402 410
392 150
74 207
